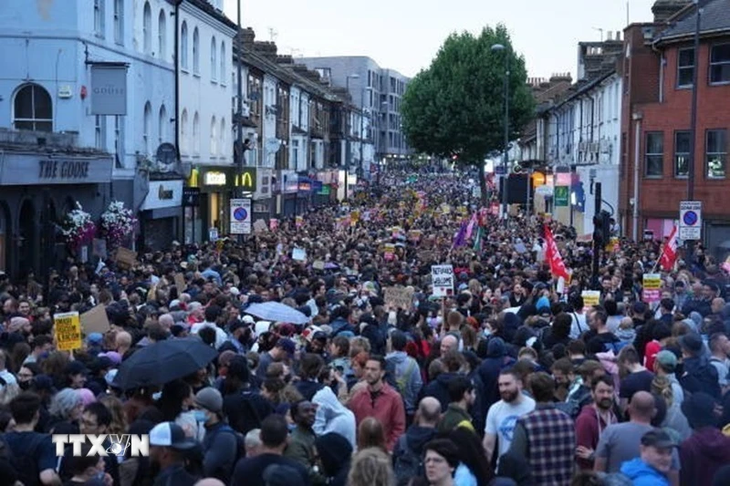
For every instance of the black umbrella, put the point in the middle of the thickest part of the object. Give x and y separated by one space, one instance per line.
162 362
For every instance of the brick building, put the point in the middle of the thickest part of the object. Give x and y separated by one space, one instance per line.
658 68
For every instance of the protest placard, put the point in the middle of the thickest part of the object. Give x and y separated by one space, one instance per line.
180 283
67 328
95 320
442 280
126 257
398 297
298 254
259 226
590 298
652 283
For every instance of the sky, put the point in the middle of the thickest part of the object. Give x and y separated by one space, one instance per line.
405 35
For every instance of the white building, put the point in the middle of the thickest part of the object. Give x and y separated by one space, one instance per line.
584 139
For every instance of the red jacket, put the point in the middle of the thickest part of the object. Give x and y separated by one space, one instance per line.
386 406
588 431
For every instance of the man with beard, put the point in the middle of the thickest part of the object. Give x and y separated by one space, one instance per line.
502 416
593 420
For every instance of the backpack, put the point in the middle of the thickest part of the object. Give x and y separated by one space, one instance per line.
406 463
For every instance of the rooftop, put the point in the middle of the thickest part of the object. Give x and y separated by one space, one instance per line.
714 19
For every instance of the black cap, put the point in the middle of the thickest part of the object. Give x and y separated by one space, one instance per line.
657 438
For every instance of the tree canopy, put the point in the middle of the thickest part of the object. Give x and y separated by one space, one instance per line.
456 106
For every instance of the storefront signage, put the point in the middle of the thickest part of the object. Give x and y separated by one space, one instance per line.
191 196
289 182
163 194
247 179
29 169
215 179
109 89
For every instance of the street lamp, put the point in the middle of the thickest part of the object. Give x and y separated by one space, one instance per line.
497 48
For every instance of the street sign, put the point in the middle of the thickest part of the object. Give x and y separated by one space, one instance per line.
690 220
241 216
561 196
191 197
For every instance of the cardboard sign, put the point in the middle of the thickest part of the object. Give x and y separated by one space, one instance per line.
652 283
389 252
95 320
591 297
273 224
180 283
318 265
299 221
126 257
398 297
67 329
442 279
298 254
259 226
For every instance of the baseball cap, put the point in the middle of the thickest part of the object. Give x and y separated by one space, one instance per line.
169 434
657 438
248 320
667 359
95 338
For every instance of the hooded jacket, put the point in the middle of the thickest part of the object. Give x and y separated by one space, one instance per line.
643 474
496 360
406 369
700 376
335 453
439 389
588 431
702 455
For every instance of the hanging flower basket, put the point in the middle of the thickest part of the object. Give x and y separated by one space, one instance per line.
78 228
117 224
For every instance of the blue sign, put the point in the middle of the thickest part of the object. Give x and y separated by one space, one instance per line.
690 218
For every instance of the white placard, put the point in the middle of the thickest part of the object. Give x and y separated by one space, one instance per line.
442 279
241 216
299 254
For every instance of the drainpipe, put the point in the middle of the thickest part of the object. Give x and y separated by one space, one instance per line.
177 77
637 168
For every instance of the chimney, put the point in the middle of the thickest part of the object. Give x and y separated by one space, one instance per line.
663 10
609 36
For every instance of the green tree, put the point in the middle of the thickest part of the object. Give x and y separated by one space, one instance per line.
456 106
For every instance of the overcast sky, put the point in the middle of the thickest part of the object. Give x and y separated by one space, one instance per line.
406 34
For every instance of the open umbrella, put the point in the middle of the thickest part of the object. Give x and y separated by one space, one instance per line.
274 311
163 361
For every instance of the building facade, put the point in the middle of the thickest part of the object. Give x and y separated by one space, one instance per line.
659 68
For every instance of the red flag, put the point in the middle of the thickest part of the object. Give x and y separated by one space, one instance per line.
669 252
552 254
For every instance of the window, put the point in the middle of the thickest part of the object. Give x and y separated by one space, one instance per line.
196 134
685 67
184 45
682 150
223 63
147 28
33 109
99 18
162 35
720 64
162 126
654 154
196 51
213 138
100 132
213 59
716 153
119 21
223 137
184 132
147 122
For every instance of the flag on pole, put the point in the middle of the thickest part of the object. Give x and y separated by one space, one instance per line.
552 254
470 226
669 252
478 239
460 239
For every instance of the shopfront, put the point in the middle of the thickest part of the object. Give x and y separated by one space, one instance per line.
37 190
304 192
211 216
160 214
288 193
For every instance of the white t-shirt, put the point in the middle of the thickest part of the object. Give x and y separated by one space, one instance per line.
578 325
502 418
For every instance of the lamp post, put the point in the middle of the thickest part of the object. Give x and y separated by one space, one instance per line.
347 134
505 200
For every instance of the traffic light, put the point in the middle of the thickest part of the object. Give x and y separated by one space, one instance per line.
602 228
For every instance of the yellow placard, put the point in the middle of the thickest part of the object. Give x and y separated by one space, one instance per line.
67 327
652 281
591 297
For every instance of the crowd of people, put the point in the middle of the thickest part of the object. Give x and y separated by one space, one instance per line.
511 379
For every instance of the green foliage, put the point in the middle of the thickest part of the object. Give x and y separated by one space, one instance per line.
456 106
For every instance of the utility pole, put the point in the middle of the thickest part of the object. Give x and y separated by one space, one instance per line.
239 107
693 122
598 243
